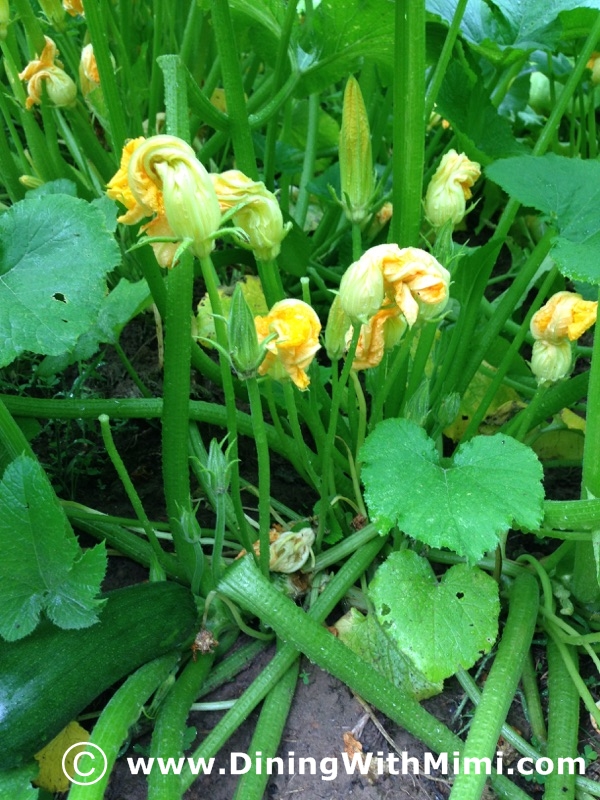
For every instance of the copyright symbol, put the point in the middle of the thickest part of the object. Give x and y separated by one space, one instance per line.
91 770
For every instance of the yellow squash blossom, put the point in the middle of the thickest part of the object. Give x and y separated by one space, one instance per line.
290 353
259 216
44 70
74 7
562 320
450 188
419 282
384 275
382 332
565 315
161 176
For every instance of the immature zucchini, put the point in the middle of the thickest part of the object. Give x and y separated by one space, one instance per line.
50 676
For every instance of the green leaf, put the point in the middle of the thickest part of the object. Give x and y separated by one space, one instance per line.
482 133
567 191
497 30
16 783
42 564
439 626
124 302
345 32
491 484
366 638
55 252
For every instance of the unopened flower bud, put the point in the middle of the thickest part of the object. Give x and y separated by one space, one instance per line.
594 65
336 330
73 7
356 159
259 215
60 88
89 77
362 287
450 188
551 362
565 315
246 353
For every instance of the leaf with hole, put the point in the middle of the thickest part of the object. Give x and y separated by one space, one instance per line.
439 626
55 253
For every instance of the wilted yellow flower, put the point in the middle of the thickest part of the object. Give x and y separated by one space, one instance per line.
381 333
288 550
259 216
60 88
89 77
450 188
290 353
161 175
551 362
74 7
386 275
357 177
419 282
565 316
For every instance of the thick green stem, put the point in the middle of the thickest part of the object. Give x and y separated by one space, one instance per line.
176 393
112 727
234 89
563 723
585 576
276 669
409 121
500 685
245 585
170 726
264 475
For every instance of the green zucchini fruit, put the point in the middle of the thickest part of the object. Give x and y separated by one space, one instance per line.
50 676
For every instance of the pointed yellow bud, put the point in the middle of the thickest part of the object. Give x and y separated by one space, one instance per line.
565 316
356 159
43 70
450 188
290 353
551 362
259 217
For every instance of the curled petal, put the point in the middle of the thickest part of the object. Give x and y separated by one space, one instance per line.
381 333
420 284
118 187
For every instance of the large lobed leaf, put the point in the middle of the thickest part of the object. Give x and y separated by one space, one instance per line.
43 567
55 253
567 190
438 626
491 484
